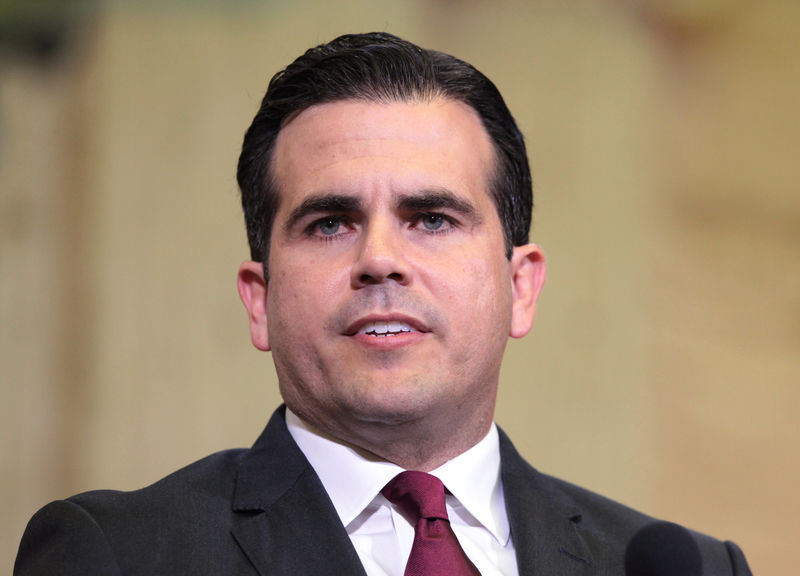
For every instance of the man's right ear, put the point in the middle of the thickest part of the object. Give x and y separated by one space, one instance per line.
253 292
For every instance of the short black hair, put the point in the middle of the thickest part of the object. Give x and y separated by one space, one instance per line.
380 67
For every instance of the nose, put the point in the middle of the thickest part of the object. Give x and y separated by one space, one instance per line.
380 257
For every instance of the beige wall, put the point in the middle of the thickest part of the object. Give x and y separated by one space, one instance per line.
663 368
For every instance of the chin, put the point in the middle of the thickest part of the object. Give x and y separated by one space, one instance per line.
394 407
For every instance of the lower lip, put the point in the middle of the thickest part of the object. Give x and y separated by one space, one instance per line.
389 342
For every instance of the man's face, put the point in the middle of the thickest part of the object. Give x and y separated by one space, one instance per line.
390 299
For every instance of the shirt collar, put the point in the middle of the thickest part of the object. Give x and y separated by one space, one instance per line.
352 478
473 477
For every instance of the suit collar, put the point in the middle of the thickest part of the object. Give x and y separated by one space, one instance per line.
270 467
545 523
287 523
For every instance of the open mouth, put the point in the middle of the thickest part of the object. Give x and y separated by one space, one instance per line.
384 329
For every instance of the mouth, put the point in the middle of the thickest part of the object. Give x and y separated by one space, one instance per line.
385 327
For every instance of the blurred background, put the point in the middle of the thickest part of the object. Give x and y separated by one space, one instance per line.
664 367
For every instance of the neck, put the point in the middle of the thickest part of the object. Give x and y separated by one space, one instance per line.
417 444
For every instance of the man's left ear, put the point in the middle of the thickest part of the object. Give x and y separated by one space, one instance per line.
527 279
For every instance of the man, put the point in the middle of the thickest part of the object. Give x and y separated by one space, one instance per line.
387 197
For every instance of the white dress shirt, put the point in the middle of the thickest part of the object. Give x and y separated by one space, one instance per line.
380 534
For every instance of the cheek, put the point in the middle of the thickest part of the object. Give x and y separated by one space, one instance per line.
476 295
302 293
490 280
493 300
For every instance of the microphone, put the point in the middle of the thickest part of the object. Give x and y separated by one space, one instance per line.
663 549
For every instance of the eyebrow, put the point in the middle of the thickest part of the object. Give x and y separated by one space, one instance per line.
442 199
331 203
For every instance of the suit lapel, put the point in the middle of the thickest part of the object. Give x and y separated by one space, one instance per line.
286 522
544 524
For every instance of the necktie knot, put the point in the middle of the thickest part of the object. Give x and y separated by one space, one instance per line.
435 551
419 495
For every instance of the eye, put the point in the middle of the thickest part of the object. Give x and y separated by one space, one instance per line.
329 226
432 222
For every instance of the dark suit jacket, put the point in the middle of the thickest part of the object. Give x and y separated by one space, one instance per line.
264 511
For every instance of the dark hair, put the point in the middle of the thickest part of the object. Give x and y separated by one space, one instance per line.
380 67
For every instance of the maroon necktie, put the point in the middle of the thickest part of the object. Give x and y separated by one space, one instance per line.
436 551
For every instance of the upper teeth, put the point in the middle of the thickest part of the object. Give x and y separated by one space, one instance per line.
385 328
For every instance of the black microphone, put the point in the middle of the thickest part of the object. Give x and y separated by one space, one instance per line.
663 549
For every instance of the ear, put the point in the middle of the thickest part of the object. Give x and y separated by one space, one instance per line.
253 292
527 279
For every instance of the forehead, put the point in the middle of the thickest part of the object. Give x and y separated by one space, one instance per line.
359 146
